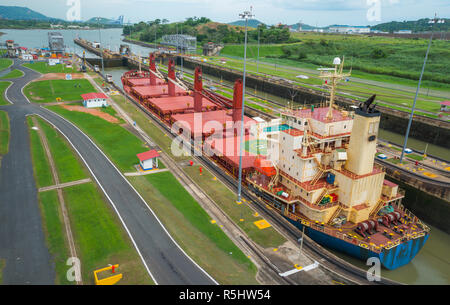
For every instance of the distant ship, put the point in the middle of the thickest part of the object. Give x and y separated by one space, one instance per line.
56 42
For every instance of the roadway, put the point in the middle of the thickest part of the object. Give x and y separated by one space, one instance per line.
21 235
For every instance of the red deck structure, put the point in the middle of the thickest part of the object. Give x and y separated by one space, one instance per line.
194 112
145 92
226 151
179 104
206 123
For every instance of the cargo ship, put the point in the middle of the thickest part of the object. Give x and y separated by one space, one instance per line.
315 165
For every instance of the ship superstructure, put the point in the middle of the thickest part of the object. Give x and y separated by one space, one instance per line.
320 173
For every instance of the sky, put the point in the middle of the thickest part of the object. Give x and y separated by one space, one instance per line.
312 12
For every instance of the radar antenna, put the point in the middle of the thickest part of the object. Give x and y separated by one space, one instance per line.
334 76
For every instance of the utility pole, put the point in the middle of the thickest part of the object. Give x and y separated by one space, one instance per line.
181 33
245 15
101 46
435 20
257 57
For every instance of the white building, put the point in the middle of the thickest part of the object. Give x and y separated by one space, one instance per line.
403 32
148 160
92 100
26 56
347 29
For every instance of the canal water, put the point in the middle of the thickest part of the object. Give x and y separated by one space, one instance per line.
430 266
110 38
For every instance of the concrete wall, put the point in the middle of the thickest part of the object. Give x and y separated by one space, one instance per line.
431 209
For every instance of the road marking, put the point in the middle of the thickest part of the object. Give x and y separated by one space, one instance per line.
262 224
299 268
138 194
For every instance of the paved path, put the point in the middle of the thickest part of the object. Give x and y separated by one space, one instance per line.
62 204
164 259
63 185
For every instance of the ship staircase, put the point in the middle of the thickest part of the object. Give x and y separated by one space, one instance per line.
313 151
335 214
324 193
275 179
321 171
377 208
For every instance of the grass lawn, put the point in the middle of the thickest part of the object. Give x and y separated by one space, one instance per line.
4 133
55 233
399 57
48 90
99 236
120 145
42 171
110 110
2 265
5 63
395 161
415 157
226 199
43 67
191 227
13 74
3 86
66 162
163 141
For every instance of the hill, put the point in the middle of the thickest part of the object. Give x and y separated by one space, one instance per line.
253 23
421 25
21 13
305 27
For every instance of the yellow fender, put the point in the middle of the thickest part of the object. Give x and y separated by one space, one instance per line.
109 280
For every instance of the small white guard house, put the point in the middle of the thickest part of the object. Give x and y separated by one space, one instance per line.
91 100
148 160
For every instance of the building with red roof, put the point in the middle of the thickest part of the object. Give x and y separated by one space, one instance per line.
94 99
148 160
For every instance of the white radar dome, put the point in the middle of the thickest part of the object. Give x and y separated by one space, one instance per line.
337 61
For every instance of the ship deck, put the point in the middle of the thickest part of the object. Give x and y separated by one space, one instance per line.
179 104
146 92
384 236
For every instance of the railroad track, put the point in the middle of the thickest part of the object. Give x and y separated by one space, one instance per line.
314 251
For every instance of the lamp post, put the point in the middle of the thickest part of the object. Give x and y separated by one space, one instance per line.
257 58
245 15
101 46
435 20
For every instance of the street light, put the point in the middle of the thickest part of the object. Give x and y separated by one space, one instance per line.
245 15
257 58
435 20
101 46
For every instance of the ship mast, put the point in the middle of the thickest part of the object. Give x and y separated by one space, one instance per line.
334 75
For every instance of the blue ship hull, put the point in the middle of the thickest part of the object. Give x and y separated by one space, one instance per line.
390 259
